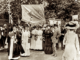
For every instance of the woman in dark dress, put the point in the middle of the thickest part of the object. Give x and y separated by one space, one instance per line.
13 47
43 44
48 41
19 37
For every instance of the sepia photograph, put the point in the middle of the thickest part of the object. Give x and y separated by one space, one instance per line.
39 29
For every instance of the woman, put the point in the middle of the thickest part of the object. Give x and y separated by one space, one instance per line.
39 39
48 41
43 34
71 43
33 39
19 36
13 47
25 38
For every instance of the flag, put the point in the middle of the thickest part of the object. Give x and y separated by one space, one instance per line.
33 14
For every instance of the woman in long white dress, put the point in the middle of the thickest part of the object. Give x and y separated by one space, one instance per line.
71 43
25 44
33 40
39 39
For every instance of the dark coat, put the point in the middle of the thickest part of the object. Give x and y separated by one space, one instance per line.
47 35
16 47
63 32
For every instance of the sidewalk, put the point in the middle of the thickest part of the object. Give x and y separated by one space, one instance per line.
36 55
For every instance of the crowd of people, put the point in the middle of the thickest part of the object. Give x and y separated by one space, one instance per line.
21 39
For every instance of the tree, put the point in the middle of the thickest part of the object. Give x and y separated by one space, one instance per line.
63 9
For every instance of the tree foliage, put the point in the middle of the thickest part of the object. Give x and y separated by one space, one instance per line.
63 9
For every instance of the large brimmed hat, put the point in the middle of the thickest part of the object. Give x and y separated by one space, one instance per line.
71 25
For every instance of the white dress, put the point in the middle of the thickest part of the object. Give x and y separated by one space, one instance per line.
39 40
25 44
71 46
33 41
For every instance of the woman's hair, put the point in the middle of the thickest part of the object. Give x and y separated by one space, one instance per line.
71 29
55 25
24 28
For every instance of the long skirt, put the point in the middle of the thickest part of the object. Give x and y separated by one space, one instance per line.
21 49
26 47
48 49
15 52
33 42
70 53
20 45
43 45
39 43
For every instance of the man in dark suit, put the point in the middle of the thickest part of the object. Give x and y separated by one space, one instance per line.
63 31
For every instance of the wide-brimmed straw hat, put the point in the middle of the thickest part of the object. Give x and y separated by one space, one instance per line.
71 25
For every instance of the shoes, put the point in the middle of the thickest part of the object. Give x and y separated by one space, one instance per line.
13 59
16 58
24 55
54 55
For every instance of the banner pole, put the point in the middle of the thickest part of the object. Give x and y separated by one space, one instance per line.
9 11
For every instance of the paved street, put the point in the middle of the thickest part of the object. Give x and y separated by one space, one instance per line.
36 55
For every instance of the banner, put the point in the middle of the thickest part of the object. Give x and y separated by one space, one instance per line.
33 13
